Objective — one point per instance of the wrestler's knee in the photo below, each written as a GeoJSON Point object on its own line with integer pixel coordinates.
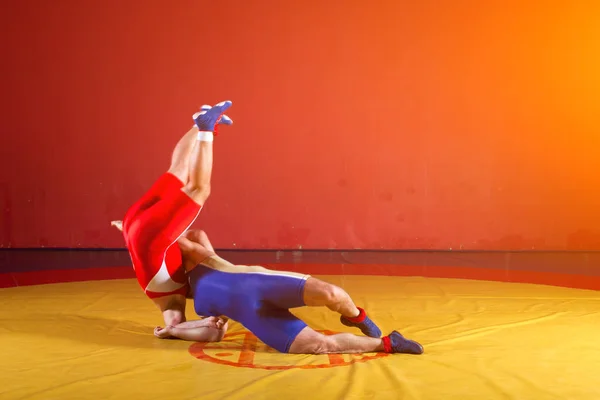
{"type": "Point", "coordinates": [319, 345]}
{"type": "Point", "coordinates": [333, 294]}
{"type": "Point", "coordinates": [320, 293]}
{"type": "Point", "coordinates": [196, 235]}
{"type": "Point", "coordinates": [198, 193]}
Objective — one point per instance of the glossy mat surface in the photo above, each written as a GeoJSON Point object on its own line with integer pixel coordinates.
{"type": "Point", "coordinates": [483, 340]}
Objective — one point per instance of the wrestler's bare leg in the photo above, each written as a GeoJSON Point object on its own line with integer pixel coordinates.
{"type": "Point", "coordinates": [309, 341]}
{"type": "Point", "coordinates": [184, 151]}
{"type": "Point", "coordinates": [319, 293]}
{"type": "Point", "coordinates": [211, 329]}
{"type": "Point", "coordinates": [192, 164]}
{"type": "Point", "coordinates": [180, 159]}
{"type": "Point", "coordinates": [197, 186]}
{"type": "Point", "coordinates": [201, 160]}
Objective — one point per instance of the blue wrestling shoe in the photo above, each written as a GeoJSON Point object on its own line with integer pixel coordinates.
{"type": "Point", "coordinates": [396, 343]}
{"type": "Point", "coordinates": [209, 117]}
{"type": "Point", "coordinates": [363, 322]}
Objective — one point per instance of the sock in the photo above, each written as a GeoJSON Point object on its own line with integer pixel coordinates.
{"type": "Point", "coordinates": [387, 344]}
{"type": "Point", "coordinates": [205, 136]}
{"type": "Point", "coordinates": [359, 318]}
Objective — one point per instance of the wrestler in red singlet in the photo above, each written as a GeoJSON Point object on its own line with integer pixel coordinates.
{"type": "Point", "coordinates": [153, 225]}
{"type": "Point", "coordinates": [151, 228]}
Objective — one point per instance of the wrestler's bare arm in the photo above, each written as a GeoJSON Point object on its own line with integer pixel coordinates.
{"type": "Point", "coordinates": [200, 237]}
{"type": "Point", "coordinates": [210, 329]}
{"type": "Point", "coordinates": [193, 249]}
{"type": "Point", "coordinates": [216, 322]}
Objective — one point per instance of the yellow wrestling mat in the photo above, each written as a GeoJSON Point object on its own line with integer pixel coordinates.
{"type": "Point", "coordinates": [483, 340]}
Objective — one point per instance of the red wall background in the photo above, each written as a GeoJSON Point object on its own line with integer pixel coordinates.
{"type": "Point", "coordinates": [431, 124]}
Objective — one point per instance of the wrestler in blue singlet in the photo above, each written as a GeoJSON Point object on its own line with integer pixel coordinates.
{"type": "Point", "coordinates": [254, 296]}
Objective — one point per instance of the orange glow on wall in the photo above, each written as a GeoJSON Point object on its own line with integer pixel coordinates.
{"type": "Point", "coordinates": [390, 124]}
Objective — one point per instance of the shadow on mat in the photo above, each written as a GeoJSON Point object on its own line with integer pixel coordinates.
{"type": "Point", "coordinates": [95, 330]}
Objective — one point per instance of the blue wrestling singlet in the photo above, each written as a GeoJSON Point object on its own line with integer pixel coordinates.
{"type": "Point", "coordinates": [256, 297]}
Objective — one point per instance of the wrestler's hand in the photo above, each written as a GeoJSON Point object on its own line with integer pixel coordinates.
{"type": "Point", "coordinates": [117, 224]}
{"type": "Point", "coordinates": [209, 117]}
{"type": "Point", "coordinates": [163, 333]}
{"type": "Point", "coordinates": [211, 329]}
